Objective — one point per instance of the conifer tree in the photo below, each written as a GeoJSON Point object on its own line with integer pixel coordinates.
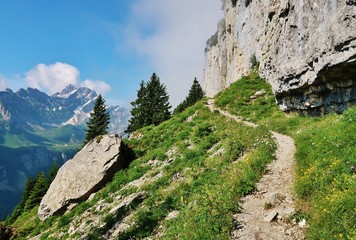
{"type": "Point", "coordinates": [195, 94]}
{"type": "Point", "coordinates": [35, 189]}
{"type": "Point", "coordinates": [157, 101]}
{"type": "Point", "coordinates": [151, 106]}
{"type": "Point", "coordinates": [138, 112]}
{"type": "Point", "coordinates": [53, 172]}
{"type": "Point", "coordinates": [20, 207]}
{"type": "Point", "coordinates": [38, 191]}
{"type": "Point", "coordinates": [98, 122]}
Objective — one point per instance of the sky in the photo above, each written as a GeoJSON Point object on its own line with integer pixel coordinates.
{"type": "Point", "coordinates": [109, 46]}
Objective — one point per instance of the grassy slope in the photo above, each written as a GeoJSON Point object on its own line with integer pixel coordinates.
{"type": "Point", "coordinates": [326, 157]}
{"type": "Point", "coordinates": [207, 193]}
{"type": "Point", "coordinates": [212, 186]}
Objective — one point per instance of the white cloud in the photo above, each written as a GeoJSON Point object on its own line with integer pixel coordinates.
{"type": "Point", "coordinates": [52, 78]}
{"type": "Point", "coordinates": [99, 86]}
{"type": "Point", "coordinates": [55, 77]}
{"type": "Point", "coordinates": [171, 35]}
{"type": "Point", "coordinates": [3, 83]}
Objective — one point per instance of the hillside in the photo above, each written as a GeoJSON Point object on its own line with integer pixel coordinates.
{"type": "Point", "coordinates": [192, 171]}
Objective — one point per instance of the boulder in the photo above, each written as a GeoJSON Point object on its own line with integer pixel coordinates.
{"type": "Point", "coordinates": [86, 173]}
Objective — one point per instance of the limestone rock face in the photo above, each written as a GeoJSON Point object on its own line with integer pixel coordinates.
{"type": "Point", "coordinates": [306, 50]}
{"type": "Point", "coordinates": [86, 173]}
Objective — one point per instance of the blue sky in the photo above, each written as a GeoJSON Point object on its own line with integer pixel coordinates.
{"type": "Point", "coordinates": [107, 45]}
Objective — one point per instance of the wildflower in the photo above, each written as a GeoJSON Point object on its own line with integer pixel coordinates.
{"type": "Point", "coordinates": [347, 162]}
{"type": "Point", "coordinates": [352, 168]}
{"type": "Point", "coordinates": [328, 172]}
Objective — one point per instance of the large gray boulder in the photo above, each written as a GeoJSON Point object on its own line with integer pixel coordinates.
{"type": "Point", "coordinates": [306, 50]}
{"type": "Point", "coordinates": [86, 173]}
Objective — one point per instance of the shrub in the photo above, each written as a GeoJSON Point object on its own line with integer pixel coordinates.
{"type": "Point", "coordinates": [254, 63]}
{"type": "Point", "coordinates": [212, 41]}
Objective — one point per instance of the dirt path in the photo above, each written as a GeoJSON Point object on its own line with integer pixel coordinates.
{"type": "Point", "coordinates": [266, 213]}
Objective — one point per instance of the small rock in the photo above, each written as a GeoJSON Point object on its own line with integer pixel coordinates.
{"type": "Point", "coordinates": [136, 135]}
{"type": "Point", "coordinates": [91, 197]}
{"type": "Point", "coordinates": [190, 118]}
{"type": "Point", "coordinates": [275, 198]}
{"type": "Point", "coordinates": [302, 223]}
{"type": "Point", "coordinates": [172, 215]}
{"type": "Point", "coordinates": [289, 232]}
{"type": "Point", "coordinates": [99, 208]}
{"type": "Point", "coordinates": [259, 94]}
{"type": "Point", "coordinates": [271, 216]}
{"type": "Point", "coordinates": [287, 212]}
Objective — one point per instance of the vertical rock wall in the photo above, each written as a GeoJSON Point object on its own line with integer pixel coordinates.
{"type": "Point", "coordinates": [306, 50]}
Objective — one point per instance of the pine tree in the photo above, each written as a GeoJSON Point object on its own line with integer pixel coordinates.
{"type": "Point", "coordinates": [53, 172]}
{"type": "Point", "coordinates": [20, 207]}
{"type": "Point", "coordinates": [138, 112]}
{"type": "Point", "coordinates": [157, 101]}
{"type": "Point", "coordinates": [35, 189]}
{"type": "Point", "coordinates": [99, 120]}
{"type": "Point", "coordinates": [195, 94]}
{"type": "Point", "coordinates": [151, 106]}
{"type": "Point", "coordinates": [38, 191]}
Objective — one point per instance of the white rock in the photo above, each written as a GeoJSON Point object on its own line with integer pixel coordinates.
{"type": "Point", "coordinates": [275, 198]}
{"type": "Point", "coordinates": [172, 215]}
{"type": "Point", "coordinates": [271, 216]}
{"type": "Point", "coordinates": [86, 173]}
{"type": "Point", "coordinates": [287, 212]}
{"type": "Point", "coordinates": [302, 223]}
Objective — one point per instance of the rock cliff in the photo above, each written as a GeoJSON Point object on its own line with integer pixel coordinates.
{"type": "Point", "coordinates": [86, 173]}
{"type": "Point", "coordinates": [306, 50]}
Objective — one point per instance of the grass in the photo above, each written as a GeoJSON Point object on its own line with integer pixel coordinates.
{"type": "Point", "coordinates": [198, 197]}
{"type": "Point", "coordinates": [204, 187]}
{"type": "Point", "coordinates": [212, 161]}
{"type": "Point", "coordinates": [326, 156]}
{"type": "Point", "coordinates": [16, 141]}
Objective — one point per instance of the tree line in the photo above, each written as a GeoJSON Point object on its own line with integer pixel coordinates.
{"type": "Point", "coordinates": [150, 107]}
{"type": "Point", "coordinates": [35, 189]}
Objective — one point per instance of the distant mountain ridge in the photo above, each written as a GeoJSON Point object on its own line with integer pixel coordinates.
{"type": "Point", "coordinates": [37, 130]}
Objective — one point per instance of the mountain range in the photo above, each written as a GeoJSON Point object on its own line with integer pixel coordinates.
{"type": "Point", "coordinates": [37, 130]}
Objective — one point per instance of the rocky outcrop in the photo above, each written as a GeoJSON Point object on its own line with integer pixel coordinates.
{"type": "Point", "coordinates": [306, 50]}
{"type": "Point", "coordinates": [86, 173]}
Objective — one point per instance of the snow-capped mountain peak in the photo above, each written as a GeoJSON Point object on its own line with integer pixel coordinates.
{"type": "Point", "coordinates": [66, 92]}
{"type": "Point", "coordinates": [70, 106]}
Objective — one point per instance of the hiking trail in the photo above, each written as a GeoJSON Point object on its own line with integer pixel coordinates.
{"type": "Point", "coordinates": [267, 212]}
